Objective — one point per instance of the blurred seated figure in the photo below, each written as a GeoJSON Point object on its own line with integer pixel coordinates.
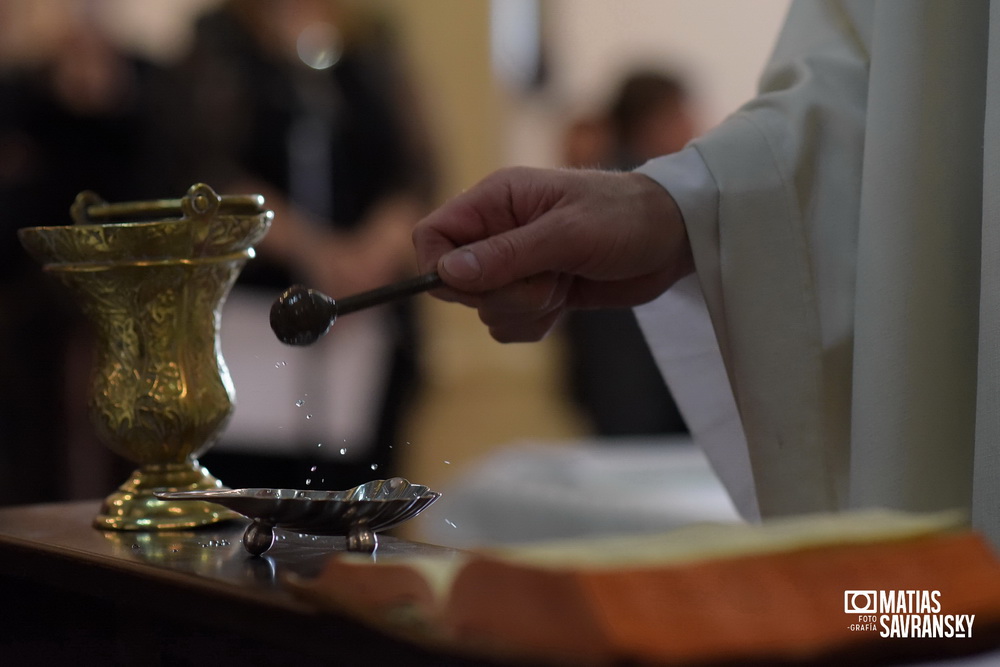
{"type": "Point", "coordinates": [73, 117]}
{"type": "Point", "coordinates": [613, 377]}
{"type": "Point", "coordinates": [304, 102]}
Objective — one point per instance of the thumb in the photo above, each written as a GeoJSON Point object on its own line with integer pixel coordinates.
{"type": "Point", "coordinates": [461, 268]}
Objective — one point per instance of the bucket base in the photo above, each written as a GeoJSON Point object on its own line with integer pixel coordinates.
{"type": "Point", "coordinates": [135, 507]}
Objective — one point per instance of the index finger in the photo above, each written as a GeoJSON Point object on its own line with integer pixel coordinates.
{"type": "Point", "coordinates": [502, 201]}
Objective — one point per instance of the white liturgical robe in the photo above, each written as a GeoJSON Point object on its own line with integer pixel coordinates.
{"type": "Point", "coordinates": [846, 236]}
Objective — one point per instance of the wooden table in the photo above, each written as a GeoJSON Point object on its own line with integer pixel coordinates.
{"type": "Point", "coordinates": [76, 595]}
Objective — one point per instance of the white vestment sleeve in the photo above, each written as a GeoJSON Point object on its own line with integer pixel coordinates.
{"type": "Point", "coordinates": [680, 335]}
{"type": "Point", "coordinates": [841, 266]}
{"type": "Point", "coordinates": [776, 262]}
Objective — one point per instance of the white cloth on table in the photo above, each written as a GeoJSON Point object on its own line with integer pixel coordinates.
{"type": "Point", "coordinates": [539, 491]}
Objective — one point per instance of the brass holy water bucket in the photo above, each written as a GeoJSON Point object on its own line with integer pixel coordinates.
{"type": "Point", "coordinates": [152, 277]}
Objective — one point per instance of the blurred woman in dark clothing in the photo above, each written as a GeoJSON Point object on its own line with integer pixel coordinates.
{"type": "Point", "coordinates": [302, 102]}
{"type": "Point", "coordinates": [74, 115]}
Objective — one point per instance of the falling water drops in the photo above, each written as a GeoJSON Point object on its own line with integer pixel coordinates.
{"type": "Point", "coordinates": [313, 469]}
{"type": "Point", "coordinates": [450, 523]}
{"type": "Point", "coordinates": [309, 416]}
{"type": "Point", "coordinates": [214, 543]}
{"type": "Point", "coordinates": [343, 450]}
{"type": "Point", "coordinates": [374, 466]}
{"type": "Point", "coordinates": [279, 364]}
{"type": "Point", "coordinates": [299, 403]}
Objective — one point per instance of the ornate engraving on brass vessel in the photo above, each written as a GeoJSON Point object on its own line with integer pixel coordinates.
{"type": "Point", "coordinates": [152, 277]}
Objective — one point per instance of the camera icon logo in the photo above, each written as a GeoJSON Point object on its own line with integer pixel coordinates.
{"type": "Point", "coordinates": [860, 602]}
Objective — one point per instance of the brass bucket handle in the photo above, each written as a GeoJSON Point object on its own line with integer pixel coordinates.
{"type": "Point", "coordinates": [200, 203]}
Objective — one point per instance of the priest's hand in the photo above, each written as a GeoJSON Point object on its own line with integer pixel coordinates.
{"type": "Point", "coordinates": [524, 245]}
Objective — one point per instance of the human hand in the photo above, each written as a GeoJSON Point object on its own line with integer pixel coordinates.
{"type": "Point", "coordinates": [524, 245]}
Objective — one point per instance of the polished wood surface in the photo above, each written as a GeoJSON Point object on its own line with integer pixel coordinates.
{"type": "Point", "coordinates": [187, 597]}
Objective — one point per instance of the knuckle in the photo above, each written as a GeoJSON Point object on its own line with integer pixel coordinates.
{"type": "Point", "coordinates": [498, 260]}
{"type": "Point", "coordinates": [540, 293]}
{"type": "Point", "coordinates": [505, 334]}
{"type": "Point", "coordinates": [520, 329]}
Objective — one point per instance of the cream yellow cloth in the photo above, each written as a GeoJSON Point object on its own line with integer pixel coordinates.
{"type": "Point", "coordinates": [777, 593]}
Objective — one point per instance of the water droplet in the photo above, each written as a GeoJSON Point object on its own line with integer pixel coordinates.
{"type": "Point", "coordinates": [450, 523]}
{"type": "Point", "coordinates": [313, 469]}
{"type": "Point", "coordinates": [299, 403]}
{"type": "Point", "coordinates": [447, 463]}
{"type": "Point", "coordinates": [308, 482]}
{"type": "Point", "coordinates": [374, 466]}
{"type": "Point", "coordinates": [319, 444]}
{"type": "Point", "coordinates": [279, 364]}
{"type": "Point", "coordinates": [216, 543]}
{"type": "Point", "coordinates": [343, 450]}
{"type": "Point", "coordinates": [309, 416]}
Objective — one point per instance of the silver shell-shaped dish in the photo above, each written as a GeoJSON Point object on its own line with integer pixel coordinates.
{"type": "Point", "coordinates": [357, 513]}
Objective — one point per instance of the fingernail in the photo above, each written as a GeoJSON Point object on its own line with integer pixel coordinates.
{"type": "Point", "coordinates": [462, 264]}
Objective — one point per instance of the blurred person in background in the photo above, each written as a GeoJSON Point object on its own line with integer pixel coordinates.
{"type": "Point", "coordinates": [306, 102]}
{"type": "Point", "coordinates": [73, 116]}
{"type": "Point", "coordinates": [613, 376]}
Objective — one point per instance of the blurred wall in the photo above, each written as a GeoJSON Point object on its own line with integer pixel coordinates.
{"type": "Point", "coordinates": [718, 46]}
{"type": "Point", "coordinates": [158, 28]}
{"type": "Point", "coordinates": [449, 50]}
